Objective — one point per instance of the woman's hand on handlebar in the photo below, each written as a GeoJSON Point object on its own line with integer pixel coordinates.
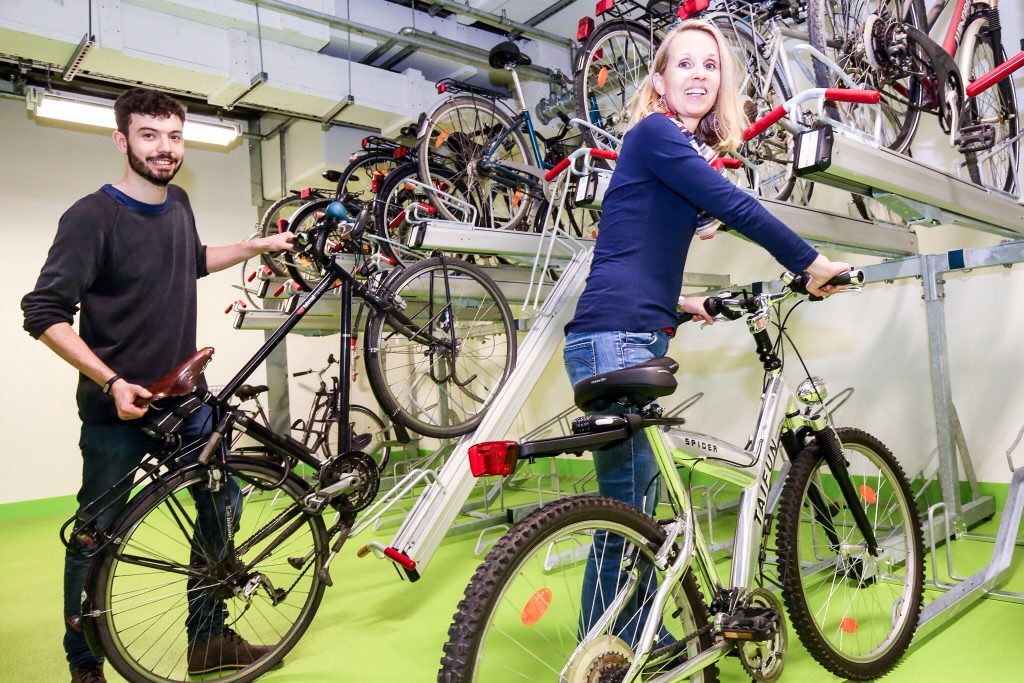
{"type": "Point", "coordinates": [282, 241]}
{"type": "Point", "coordinates": [694, 305]}
{"type": "Point", "coordinates": [821, 271]}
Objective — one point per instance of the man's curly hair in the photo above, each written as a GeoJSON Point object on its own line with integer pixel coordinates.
{"type": "Point", "coordinates": [146, 103]}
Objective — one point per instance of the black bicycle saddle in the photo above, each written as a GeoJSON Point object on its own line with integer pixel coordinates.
{"type": "Point", "coordinates": [639, 385]}
{"type": "Point", "coordinates": [507, 54]}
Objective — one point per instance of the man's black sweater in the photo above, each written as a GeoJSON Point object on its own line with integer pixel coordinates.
{"type": "Point", "coordinates": [132, 267]}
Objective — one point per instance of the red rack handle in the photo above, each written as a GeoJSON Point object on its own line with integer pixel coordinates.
{"type": "Point", "coordinates": [559, 167]}
{"type": "Point", "coordinates": [986, 81]}
{"type": "Point", "coordinates": [604, 154]}
{"type": "Point", "coordinates": [763, 123]}
{"type": "Point", "coordinates": [847, 95]}
{"type": "Point", "coordinates": [731, 162]}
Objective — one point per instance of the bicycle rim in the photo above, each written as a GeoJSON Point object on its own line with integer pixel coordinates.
{"type": "Point", "coordinates": [422, 379]}
{"type": "Point", "coordinates": [997, 106]}
{"type": "Point", "coordinates": [303, 268]}
{"type": "Point", "coordinates": [143, 589]}
{"type": "Point", "coordinates": [612, 67]}
{"type": "Point", "coordinates": [362, 178]}
{"type": "Point", "coordinates": [533, 612]}
{"type": "Point", "coordinates": [278, 215]}
{"type": "Point", "coordinates": [400, 194]}
{"type": "Point", "coordinates": [836, 29]}
{"type": "Point", "coordinates": [854, 613]}
{"type": "Point", "coordinates": [458, 136]}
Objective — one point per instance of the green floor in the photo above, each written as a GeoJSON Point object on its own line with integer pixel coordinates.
{"type": "Point", "coordinates": [374, 627]}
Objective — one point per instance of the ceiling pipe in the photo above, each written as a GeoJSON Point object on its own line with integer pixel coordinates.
{"type": "Point", "coordinates": [422, 40]}
{"type": "Point", "coordinates": [503, 22]}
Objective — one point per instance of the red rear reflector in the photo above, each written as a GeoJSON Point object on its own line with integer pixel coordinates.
{"type": "Point", "coordinates": [848, 625]}
{"type": "Point", "coordinates": [493, 458]}
{"type": "Point", "coordinates": [363, 143]}
{"type": "Point", "coordinates": [399, 153]}
{"type": "Point", "coordinates": [282, 224]}
{"type": "Point", "coordinates": [691, 7]}
{"type": "Point", "coordinates": [584, 28]}
{"type": "Point", "coordinates": [305, 192]}
{"type": "Point", "coordinates": [441, 88]}
{"type": "Point", "coordinates": [536, 607]}
{"type": "Point", "coordinates": [603, 6]}
{"type": "Point", "coordinates": [868, 494]}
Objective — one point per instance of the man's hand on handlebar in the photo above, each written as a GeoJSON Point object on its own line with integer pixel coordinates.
{"type": "Point", "coordinates": [821, 271]}
{"type": "Point", "coordinates": [694, 305]}
{"type": "Point", "coordinates": [282, 241]}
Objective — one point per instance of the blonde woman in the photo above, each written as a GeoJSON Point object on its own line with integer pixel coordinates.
{"type": "Point", "coordinates": [687, 110]}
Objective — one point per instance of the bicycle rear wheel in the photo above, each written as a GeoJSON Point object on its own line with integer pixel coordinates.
{"type": "Point", "coordinates": [438, 376]}
{"type": "Point", "coordinates": [302, 268]}
{"type": "Point", "coordinates": [526, 609]}
{"type": "Point", "coordinates": [172, 566]}
{"type": "Point", "coordinates": [278, 217]}
{"type": "Point", "coordinates": [854, 612]}
{"type": "Point", "coordinates": [362, 177]}
{"type": "Point", "coordinates": [459, 135]}
{"type": "Point", "coordinates": [837, 30]}
{"type": "Point", "coordinates": [995, 168]}
{"type": "Point", "coordinates": [611, 67]}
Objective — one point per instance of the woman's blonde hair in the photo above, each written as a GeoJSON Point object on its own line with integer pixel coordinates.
{"type": "Point", "coordinates": [722, 126]}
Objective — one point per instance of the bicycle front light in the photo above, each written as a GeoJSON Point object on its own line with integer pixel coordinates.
{"type": "Point", "coordinates": [493, 458]}
{"type": "Point", "coordinates": [812, 390]}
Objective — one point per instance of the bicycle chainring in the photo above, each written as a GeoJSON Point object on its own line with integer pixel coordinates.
{"type": "Point", "coordinates": [365, 485]}
{"type": "Point", "coordinates": [764, 661]}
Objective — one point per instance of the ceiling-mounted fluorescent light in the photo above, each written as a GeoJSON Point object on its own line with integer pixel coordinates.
{"type": "Point", "coordinates": [91, 111]}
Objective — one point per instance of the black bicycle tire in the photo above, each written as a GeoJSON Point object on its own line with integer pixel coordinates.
{"type": "Point", "coordinates": [428, 160]}
{"type": "Point", "coordinates": [365, 159]}
{"type": "Point", "coordinates": [268, 227]}
{"type": "Point", "coordinates": [788, 527]}
{"type": "Point", "coordinates": [584, 59]}
{"type": "Point", "coordinates": [294, 271]}
{"type": "Point", "coordinates": [149, 500]}
{"type": "Point", "coordinates": [377, 323]}
{"type": "Point", "coordinates": [1007, 99]}
{"type": "Point", "coordinates": [381, 207]}
{"type": "Point", "coordinates": [465, 633]}
{"type": "Point", "coordinates": [820, 37]}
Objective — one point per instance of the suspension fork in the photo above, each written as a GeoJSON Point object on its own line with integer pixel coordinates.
{"type": "Point", "coordinates": [793, 445]}
{"type": "Point", "coordinates": [832, 452]}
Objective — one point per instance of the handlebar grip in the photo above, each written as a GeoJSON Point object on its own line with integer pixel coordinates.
{"type": "Point", "coordinates": [300, 373]}
{"type": "Point", "coordinates": [713, 306]}
{"type": "Point", "coordinates": [854, 276]}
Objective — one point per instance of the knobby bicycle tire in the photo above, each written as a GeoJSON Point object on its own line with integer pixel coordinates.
{"type": "Point", "coordinates": [458, 135]}
{"type": "Point", "coordinates": [603, 61]}
{"type": "Point", "coordinates": [410, 372]}
{"type": "Point", "coordinates": [873, 595]}
{"type": "Point", "coordinates": [981, 53]}
{"type": "Point", "coordinates": [524, 609]}
{"type": "Point", "coordinates": [141, 622]}
{"type": "Point", "coordinates": [836, 28]}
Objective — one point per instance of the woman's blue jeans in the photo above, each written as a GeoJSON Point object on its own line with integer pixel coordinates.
{"type": "Point", "coordinates": [109, 451]}
{"type": "Point", "coordinates": [626, 472]}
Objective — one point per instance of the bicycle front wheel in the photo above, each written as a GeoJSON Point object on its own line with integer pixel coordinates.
{"type": "Point", "coordinates": [837, 29]}
{"type": "Point", "coordinates": [475, 141]}
{"type": "Point", "coordinates": [854, 612]}
{"type": "Point", "coordinates": [437, 362]}
{"type": "Point", "coordinates": [177, 576]}
{"type": "Point", "coordinates": [611, 67]}
{"type": "Point", "coordinates": [534, 610]}
{"type": "Point", "coordinates": [994, 168]}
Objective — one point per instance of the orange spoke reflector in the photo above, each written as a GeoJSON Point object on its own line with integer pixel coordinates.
{"type": "Point", "coordinates": [602, 77]}
{"type": "Point", "coordinates": [441, 137]}
{"type": "Point", "coordinates": [516, 197]}
{"type": "Point", "coordinates": [536, 607]}
{"type": "Point", "coordinates": [848, 625]}
{"type": "Point", "coordinates": [868, 494]}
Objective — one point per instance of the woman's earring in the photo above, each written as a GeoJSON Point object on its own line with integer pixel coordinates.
{"type": "Point", "coordinates": [661, 102]}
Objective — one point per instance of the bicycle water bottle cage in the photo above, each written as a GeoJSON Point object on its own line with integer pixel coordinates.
{"type": "Point", "coordinates": [638, 385]}
{"type": "Point", "coordinates": [507, 55]}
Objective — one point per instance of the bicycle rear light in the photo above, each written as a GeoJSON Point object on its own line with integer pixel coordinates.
{"type": "Point", "coordinates": [493, 458]}
{"type": "Point", "coordinates": [603, 6]}
{"type": "Point", "coordinates": [584, 28]}
{"type": "Point", "coordinates": [690, 7]}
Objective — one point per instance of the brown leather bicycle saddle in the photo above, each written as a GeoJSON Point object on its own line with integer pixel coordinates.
{"type": "Point", "coordinates": [639, 385]}
{"type": "Point", "coordinates": [182, 379]}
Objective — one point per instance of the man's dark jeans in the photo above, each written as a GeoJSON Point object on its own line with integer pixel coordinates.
{"type": "Point", "coordinates": [109, 451]}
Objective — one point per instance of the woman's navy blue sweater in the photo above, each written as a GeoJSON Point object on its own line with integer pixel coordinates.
{"type": "Point", "coordinates": [648, 219]}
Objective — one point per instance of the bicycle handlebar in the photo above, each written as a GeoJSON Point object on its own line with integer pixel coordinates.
{"type": "Point", "coordinates": [732, 308]}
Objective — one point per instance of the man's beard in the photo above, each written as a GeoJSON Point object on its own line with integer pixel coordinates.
{"type": "Point", "coordinates": [159, 179]}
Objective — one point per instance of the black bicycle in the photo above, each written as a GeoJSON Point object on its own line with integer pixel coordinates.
{"type": "Point", "coordinates": [263, 557]}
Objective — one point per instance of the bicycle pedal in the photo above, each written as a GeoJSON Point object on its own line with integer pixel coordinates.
{"type": "Point", "coordinates": [978, 138]}
{"type": "Point", "coordinates": [750, 623]}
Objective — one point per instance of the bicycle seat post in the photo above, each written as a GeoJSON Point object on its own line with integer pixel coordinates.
{"type": "Point", "coordinates": [519, 88]}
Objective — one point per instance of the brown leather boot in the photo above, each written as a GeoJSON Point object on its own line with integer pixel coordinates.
{"type": "Point", "coordinates": [226, 650]}
{"type": "Point", "coordinates": [93, 675]}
